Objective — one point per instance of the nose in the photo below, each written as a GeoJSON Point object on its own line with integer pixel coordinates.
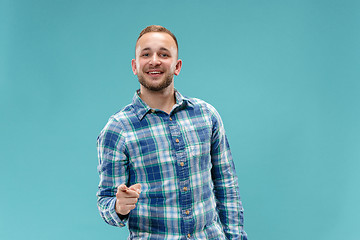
{"type": "Point", "coordinates": [154, 60]}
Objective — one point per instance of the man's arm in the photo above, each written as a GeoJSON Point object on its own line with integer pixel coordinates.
{"type": "Point", "coordinates": [113, 171]}
{"type": "Point", "coordinates": [225, 181]}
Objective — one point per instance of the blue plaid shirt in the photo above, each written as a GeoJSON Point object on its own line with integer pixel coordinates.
{"type": "Point", "coordinates": [183, 162]}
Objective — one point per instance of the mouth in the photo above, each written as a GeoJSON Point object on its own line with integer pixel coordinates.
{"type": "Point", "coordinates": [154, 73]}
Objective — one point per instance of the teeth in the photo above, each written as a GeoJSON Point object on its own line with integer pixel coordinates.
{"type": "Point", "coordinates": [154, 72]}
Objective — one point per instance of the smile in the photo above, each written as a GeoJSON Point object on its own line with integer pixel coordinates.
{"type": "Point", "coordinates": [154, 73]}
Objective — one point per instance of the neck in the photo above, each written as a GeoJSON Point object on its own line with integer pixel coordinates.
{"type": "Point", "coordinates": [163, 100]}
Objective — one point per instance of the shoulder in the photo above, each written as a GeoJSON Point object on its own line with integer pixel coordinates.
{"type": "Point", "coordinates": [123, 114]}
{"type": "Point", "coordinates": [205, 107]}
{"type": "Point", "coordinates": [119, 122]}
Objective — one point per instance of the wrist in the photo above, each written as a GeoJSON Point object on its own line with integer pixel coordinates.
{"type": "Point", "coordinates": [122, 217]}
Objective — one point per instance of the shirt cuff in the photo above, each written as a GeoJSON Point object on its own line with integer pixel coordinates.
{"type": "Point", "coordinates": [115, 217]}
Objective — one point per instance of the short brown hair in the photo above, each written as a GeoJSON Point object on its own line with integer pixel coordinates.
{"type": "Point", "coordinates": [157, 28]}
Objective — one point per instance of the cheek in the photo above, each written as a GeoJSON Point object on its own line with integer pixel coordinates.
{"type": "Point", "coordinates": [173, 66]}
{"type": "Point", "coordinates": [138, 65]}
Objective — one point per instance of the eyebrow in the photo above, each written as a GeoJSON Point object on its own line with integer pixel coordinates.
{"type": "Point", "coordinates": [162, 48]}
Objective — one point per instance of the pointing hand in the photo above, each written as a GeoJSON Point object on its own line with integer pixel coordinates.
{"type": "Point", "coordinates": [126, 198]}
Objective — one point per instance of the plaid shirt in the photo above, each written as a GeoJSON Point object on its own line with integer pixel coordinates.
{"type": "Point", "coordinates": [183, 162]}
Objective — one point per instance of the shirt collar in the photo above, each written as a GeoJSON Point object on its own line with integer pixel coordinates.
{"type": "Point", "coordinates": [141, 108]}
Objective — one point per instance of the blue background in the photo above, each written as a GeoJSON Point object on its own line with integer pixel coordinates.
{"type": "Point", "coordinates": [284, 76]}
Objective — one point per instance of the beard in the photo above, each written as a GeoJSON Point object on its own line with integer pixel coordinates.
{"type": "Point", "coordinates": [168, 79]}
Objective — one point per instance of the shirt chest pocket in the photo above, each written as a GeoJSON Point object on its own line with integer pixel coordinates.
{"type": "Point", "coordinates": [197, 137]}
{"type": "Point", "coordinates": [199, 158]}
{"type": "Point", "coordinates": [197, 134]}
{"type": "Point", "coordinates": [198, 151]}
{"type": "Point", "coordinates": [198, 147]}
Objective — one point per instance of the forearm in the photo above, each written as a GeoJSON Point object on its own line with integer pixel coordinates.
{"type": "Point", "coordinates": [106, 206]}
{"type": "Point", "coordinates": [229, 205]}
{"type": "Point", "coordinates": [226, 188]}
{"type": "Point", "coordinates": [112, 171]}
{"type": "Point", "coordinates": [230, 212]}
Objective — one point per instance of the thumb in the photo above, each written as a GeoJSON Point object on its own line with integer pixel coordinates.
{"type": "Point", "coordinates": [123, 188]}
{"type": "Point", "coordinates": [136, 187]}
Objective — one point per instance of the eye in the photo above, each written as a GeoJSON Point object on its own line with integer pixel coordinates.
{"type": "Point", "coordinates": [164, 55]}
{"type": "Point", "coordinates": [145, 55]}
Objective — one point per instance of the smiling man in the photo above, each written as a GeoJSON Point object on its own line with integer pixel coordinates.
{"type": "Point", "coordinates": [165, 164]}
{"type": "Point", "coordinates": [156, 61]}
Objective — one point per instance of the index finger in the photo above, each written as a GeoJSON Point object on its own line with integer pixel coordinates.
{"type": "Point", "coordinates": [131, 194]}
{"type": "Point", "coordinates": [123, 188]}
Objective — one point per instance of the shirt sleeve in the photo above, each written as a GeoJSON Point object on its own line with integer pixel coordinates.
{"type": "Point", "coordinates": [112, 169]}
{"type": "Point", "coordinates": [225, 180]}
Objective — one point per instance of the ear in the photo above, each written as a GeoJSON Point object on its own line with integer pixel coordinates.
{"type": "Point", "coordinates": [133, 66]}
{"type": "Point", "coordinates": [178, 67]}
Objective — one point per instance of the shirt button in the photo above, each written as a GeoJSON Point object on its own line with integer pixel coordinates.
{"type": "Point", "coordinates": [185, 189]}
{"type": "Point", "coordinates": [187, 212]}
{"type": "Point", "coordinates": [188, 235]}
{"type": "Point", "coordinates": [182, 164]}
{"type": "Point", "coordinates": [177, 140]}
{"type": "Point", "coordinates": [152, 110]}
{"type": "Point", "coordinates": [170, 119]}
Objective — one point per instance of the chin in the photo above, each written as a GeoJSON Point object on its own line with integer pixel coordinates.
{"type": "Point", "coordinates": [160, 85]}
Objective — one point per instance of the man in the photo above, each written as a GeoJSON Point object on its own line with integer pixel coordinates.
{"type": "Point", "coordinates": [164, 161]}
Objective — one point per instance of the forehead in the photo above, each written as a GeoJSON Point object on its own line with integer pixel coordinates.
{"type": "Point", "coordinates": [155, 41]}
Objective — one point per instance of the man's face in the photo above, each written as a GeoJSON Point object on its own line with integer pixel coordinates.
{"type": "Point", "coordinates": [156, 61]}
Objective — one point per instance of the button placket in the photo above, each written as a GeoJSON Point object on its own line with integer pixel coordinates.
{"type": "Point", "coordinates": [182, 172]}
